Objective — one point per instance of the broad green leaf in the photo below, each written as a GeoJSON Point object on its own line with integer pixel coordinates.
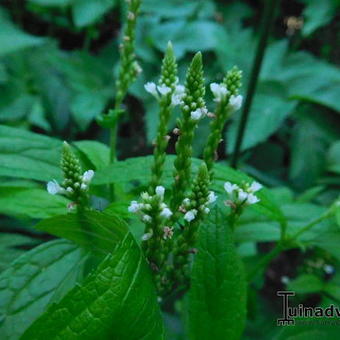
{"type": "Point", "coordinates": [85, 107]}
{"type": "Point", "coordinates": [97, 153]}
{"type": "Point", "coordinates": [31, 202]}
{"type": "Point", "coordinates": [333, 158]}
{"type": "Point", "coordinates": [137, 171]}
{"type": "Point", "coordinates": [88, 12]}
{"type": "Point", "coordinates": [91, 229]}
{"type": "Point", "coordinates": [24, 154]}
{"type": "Point", "coordinates": [28, 285]}
{"type": "Point", "coordinates": [117, 301]}
{"type": "Point", "coordinates": [13, 39]}
{"type": "Point", "coordinates": [217, 297]}
{"type": "Point", "coordinates": [306, 284]}
{"type": "Point", "coordinates": [12, 246]}
{"type": "Point", "coordinates": [52, 3]}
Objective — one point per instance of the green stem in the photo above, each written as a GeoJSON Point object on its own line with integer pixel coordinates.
{"type": "Point", "coordinates": [268, 18]}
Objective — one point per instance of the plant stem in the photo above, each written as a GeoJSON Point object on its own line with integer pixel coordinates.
{"type": "Point", "coordinates": [268, 18]}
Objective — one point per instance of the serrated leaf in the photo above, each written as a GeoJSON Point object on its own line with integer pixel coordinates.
{"type": "Point", "coordinates": [217, 297]}
{"type": "Point", "coordinates": [91, 229]}
{"type": "Point", "coordinates": [117, 301]}
{"type": "Point", "coordinates": [29, 284]}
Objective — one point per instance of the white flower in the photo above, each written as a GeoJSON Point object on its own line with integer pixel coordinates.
{"type": "Point", "coordinates": [146, 218]}
{"type": "Point", "coordinates": [328, 269]}
{"type": "Point", "coordinates": [88, 175]}
{"type": "Point", "coordinates": [285, 279]}
{"type": "Point", "coordinates": [160, 191]}
{"type": "Point", "coordinates": [206, 210]}
{"type": "Point", "coordinates": [69, 189]}
{"type": "Point", "coordinates": [177, 97]}
{"type": "Point", "coordinates": [134, 207]}
{"type": "Point", "coordinates": [166, 212]}
{"type": "Point", "coordinates": [151, 88]}
{"type": "Point", "coordinates": [54, 188]}
{"type": "Point", "coordinates": [163, 89]}
{"type": "Point", "coordinates": [146, 206]}
{"type": "Point", "coordinates": [83, 186]}
{"type": "Point", "coordinates": [255, 186]}
{"type": "Point", "coordinates": [199, 113]}
{"type": "Point", "coordinates": [186, 201]}
{"type": "Point", "coordinates": [163, 205]}
{"type": "Point", "coordinates": [235, 102]}
{"type": "Point", "coordinates": [242, 195]}
{"type": "Point", "coordinates": [146, 236]}
{"type": "Point", "coordinates": [212, 197]}
{"type": "Point", "coordinates": [168, 232]}
{"type": "Point", "coordinates": [219, 91]}
{"type": "Point", "coordinates": [190, 215]}
{"type": "Point", "coordinates": [145, 195]}
{"type": "Point", "coordinates": [229, 187]}
{"type": "Point", "coordinates": [252, 199]}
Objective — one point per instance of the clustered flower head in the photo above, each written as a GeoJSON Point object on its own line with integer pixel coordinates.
{"type": "Point", "coordinates": [221, 92]}
{"type": "Point", "coordinates": [151, 209]}
{"type": "Point", "coordinates": [75, 184]}
{"type": "Point", "coordinates": [245, 195]}
{"type": "Point", "coordinates": [158, 91]}
{"type": "Point", "coordinates": [190, 209]}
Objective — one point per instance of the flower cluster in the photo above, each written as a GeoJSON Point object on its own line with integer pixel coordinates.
{"type": "Point", "coordinates": [162, 90]}
{"type": "Point", "coordinates": [242, 195]}
{"type": "Point", "coordinates": [152, 208]}
{"type": "Point", "coordinates": [54, 188]}
{"type": "Point", "coordinates": [221, 92]}
{"type": "Point", "coordinates": [190, 210]}
{"type": "Point", "coordinates": [76, 183]}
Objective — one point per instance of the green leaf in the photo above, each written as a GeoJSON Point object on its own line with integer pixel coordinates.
{"type": "Point", "coordinates": [88, 12]}
{"type": "Point", "coordinates": [13, 40]}
{"type": "Point", "coordinates": [25, 154]}
{"type": "Point", "coordinates": [12, 246]}
{"type": "Point", "coordinates": [30, 202]}
{"type": "Point", "coordinates": [52, 3]}
{"type": "Point", "coordinates": [333, 158]}
{"type": "Point", "coordinates": [306, 284]}
{"type": "Point", "coordinates": [217, 297]}
{"type": "Point", "coordinates": [27, 287]}
{"type": "Point", "coordinates": [85, 107]}
{"type": "Point", "coordinates": [91, 229]}
{"type": "Point", "coordinates": [117, 301]}
{"type": "Point", "coordinates": [97, 153]}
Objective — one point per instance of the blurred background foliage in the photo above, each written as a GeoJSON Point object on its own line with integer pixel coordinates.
{"type": "Point", "coordinates": [58, 64]}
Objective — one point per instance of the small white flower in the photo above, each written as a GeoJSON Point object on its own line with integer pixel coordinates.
{"type": "Point", "coordinates": [54, 188]}
{"type": "Point", "coordinates": [87, 176]}
{"type": "Point", "coordinates": [146, 206]}
{"type": "Point", "coordinates": [151, 88]}
{"type": "Point", "coordinates": [230, 188]}
{"type": "Point", "coordinates": [255, 186]}
{"type": "Point", "coordinates": [163, 89]}
{"type": "Point", "coordinates": [206, 210]}
{"type": "Point", "coordinates": [242, 195]}
{"type": "Point", "coordinates": [190, 215]}
{"type": "Point", "coordinates": [69, 189]}
{"type": "Point", "coordinates": [219, 91]}
{"type": "Point", "coordinates": [168, 232]}
{"type": "Point", "coordinates": [285, 279]}
{"type": "Point", "coordinates": [328, 269]}
{"type": "Point", "coordinates": [176, 100]}
{"type": "Point", "coordinates": [83, 186]}
{"type": "Point", "coordinates": [146, 236]}
{"type": "Point", "coordinates": [252, 199]}
{"type": "Point", "coordinates": [199, 113]}
{"type": "Point", "coordinates": [186, 201]}
{"type": "Point", "coordinates": [163, 205]}
{"type": "Point", "coordinates": [134, 207]}
{"type": "Point", "coordinates": [145, 195]}
{"type": "Point", "coordinates": [235, 102]}
{"type": "Point", "coordinates": [212, 197]}
{"type": "Point", "coordinates": [146, 218]}
{"type": "Point", "coordinates": [160, 191]}
{"type": "Point", "coordinates": [166, 212]}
